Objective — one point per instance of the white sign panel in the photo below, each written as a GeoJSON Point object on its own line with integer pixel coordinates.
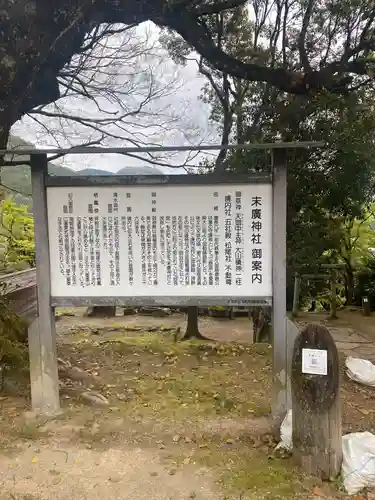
{"type": "Point", "coordinates": [155, 241]}
{"type": "Point", "coordinates": [314, 361]}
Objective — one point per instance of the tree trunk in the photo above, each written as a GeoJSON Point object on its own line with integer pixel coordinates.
{"type": "Point", "coordinates": [192, 328]}
{"type": "Point", "coordinates": [261, 317]}
{"type": "Point", "coordinates": [349, 289]}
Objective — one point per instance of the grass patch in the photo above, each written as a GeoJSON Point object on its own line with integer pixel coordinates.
{"type": "Point", "coordinates": [253, 473]}
{"type": "Point", "coordinates": [181, 379]}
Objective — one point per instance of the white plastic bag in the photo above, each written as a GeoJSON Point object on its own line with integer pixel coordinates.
{"type": "Point", "coordinates": [360, 370]}
{"type": "Point", "coordinates": [286, 433]}
{"type": "Point", "coordinates": [358, 466]}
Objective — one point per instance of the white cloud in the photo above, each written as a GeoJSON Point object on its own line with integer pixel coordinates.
{"type": "Point", "coordinates": [175, 116]}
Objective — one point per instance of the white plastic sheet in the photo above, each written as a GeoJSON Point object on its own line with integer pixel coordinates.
{"type": "Point", "coordinates": [358, 466]}
{"type": "Point", "coordinates": [360, 370]}
{"type": "Point", "coordinates": [286, 433]}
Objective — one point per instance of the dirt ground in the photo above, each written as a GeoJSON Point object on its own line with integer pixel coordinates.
{"type": "Point", "coordinates": [179, 420]}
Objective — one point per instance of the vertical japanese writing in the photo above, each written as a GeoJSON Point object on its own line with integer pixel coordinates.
{"type": "Point", "coordinates": [256, 239]}
{"type": "Point", "coordinates": [106, 239]}
{"type": "Point", "coordinates": [111, 251]}
{"type": "Point", "coordinates": [204, 251]}
{"type": "Point", "coordinates": [162, 239]}
{"type": "Point", "coordinates": [149, 251]}
{"type": "Point", "coordinates": [181, 256]}
{"type": "Point", "coordinates": [154, 251]}
{"type": "Point", "coordinates": [98, 260]}
{"type": "Point", "coordinates": [61, 245]}
{"type": "Point", "coordinates": [70, 203]}
{"type": "Point", "coordinates": [68, 277]}
{"type": "Point", "coordinates": [228, 250]}
{"type": "Point", "coordinates": [73, 254]}
{"type": "Point", "coordinates": [239, 241]}
{"type": "Point", "coordinates": [216, 250]}
{"type": "Point", "coordinates": [155, 277]}
{"type": "Point", "coordinates": [91, 245]}
{"type": "Point", "coordinates": [193, 257]}
{"type": "Point", "coordinates": [198, 243]}
{"type": "Point", "coordinates": [80, 252]}
{"type": "Point", "coordinates": [143, 250]}
{"type": "Point", "coordinates": [96, 203]}
{"type": "Point", "coordinates": [168, 238]}
{"type": "Point", "coordinates": [86, 254]}
{"type": "Point", "coordinates": [105, 233]}
{"type": "Point", "coordinates": [187, 248]}
{"type": "Point", "coordinates": [127, 226]}
{"type": "Point", "coordinates": [116, 236]}
{"type": "Point", "coordinates": [130, 249]}
{"type": "Point", "coordinates": [174, 250]}
{"type": "Point", "coordinates": [210, 251]}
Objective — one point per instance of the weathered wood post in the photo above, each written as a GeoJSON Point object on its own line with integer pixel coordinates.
{"type": "Point", "coordinates": [316, 408]}
{"type": "Point", "coordinates": [296, 294]}
{"type": "Point", "coordinates": [42, 333]}
{"type": "Point", "coordinates": [366, 307]}
{"type": "Point", "coordinates": [279, 333]}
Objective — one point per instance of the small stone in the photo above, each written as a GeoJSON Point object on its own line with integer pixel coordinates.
{"type": "Point", "coordinates": [56, 480]}
{"type": "Point", "coordinates": [187, 439]}
{"type": "Point", "coordinates": [114, 479]}
{"type": "Point", "coordinates": [176, 438]}
{"type": "Point", "coordinates": [172, 472]}
{"type": "Point", "coordinates": [95, 398]}
{"type": "Point", "coordinates": [153, 474]}
{"type": "Point", "coordinates": [193, 495]}
{"type": "Point", "coordinates": [230, 441]}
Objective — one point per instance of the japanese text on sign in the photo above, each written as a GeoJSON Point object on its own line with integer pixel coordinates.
{"type": "Point", "coordinates": [205, 240]}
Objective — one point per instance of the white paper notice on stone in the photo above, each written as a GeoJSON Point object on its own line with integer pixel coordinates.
{"type": "Point", "coordinates": [314, 361]}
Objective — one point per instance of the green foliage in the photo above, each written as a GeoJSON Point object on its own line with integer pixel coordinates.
{"type": "Point", "coordinates": [13, 338]}
{"type": "Point", "coordinates": [18, 180]}
{"type": "Point", "coordinates": [328, 188]}
{"type": "Point", "coordinates": [356, 239]}
{"type": "Point", "coordinates": [17, 248]}
{"type": "Point", "coordinates": [365, 282]}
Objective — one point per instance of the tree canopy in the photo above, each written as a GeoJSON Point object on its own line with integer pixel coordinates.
{"type": "Point", "coordinates": [331, 42]}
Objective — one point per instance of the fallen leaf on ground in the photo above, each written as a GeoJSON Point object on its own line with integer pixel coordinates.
{"type": "Point", "coordinates": [363, 411]}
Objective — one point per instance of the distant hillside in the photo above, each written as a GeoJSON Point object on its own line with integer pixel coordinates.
{"type": "Point", "coordinates": [18, 178]}
{"type": "Point", "coordinates": [91, 171]}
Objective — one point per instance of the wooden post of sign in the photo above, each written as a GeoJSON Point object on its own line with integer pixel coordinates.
{"type": "Point", "coordinates": [366, 306]}
{"type": "Point", "coordinates": [296, 294]}
{"type": "Point", "coordinates": [316, 408]}
{"type": "Point", "coordinates": [279, 333]}
{"type": "Point", "coordinates": [42, 333]}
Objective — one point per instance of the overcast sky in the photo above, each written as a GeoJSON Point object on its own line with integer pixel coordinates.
{"type": "Point", "coordinates": [183, 117]}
